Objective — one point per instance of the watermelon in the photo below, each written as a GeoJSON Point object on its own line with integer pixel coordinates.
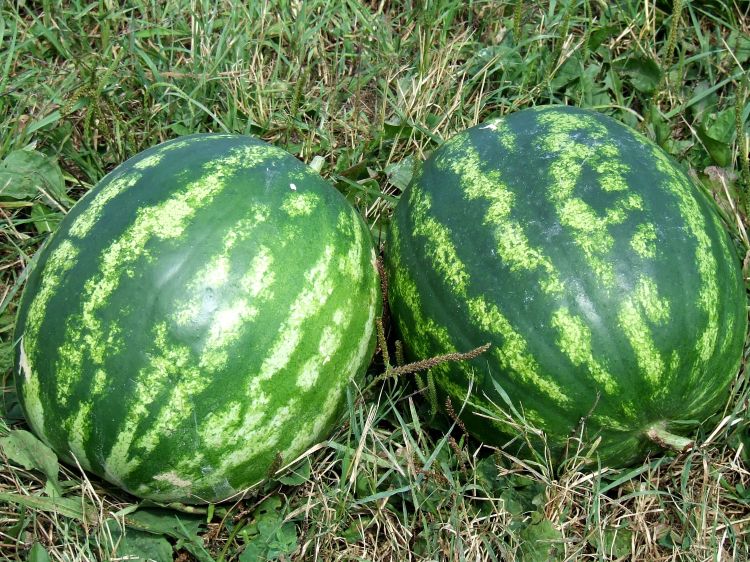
{"type": "Point", "coordinates": [196, 319]}
{"type": "Point", "coordinates": [601, 275]}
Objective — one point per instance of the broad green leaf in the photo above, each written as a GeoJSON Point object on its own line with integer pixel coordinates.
{"type": "Point", "coordinates": [512, 503]}
{"type": "Point", "coordinates": [139, 546]}
{"type": "Point", "coordinates": [38, 554]}
{"type": "Point", "coordinates": [678, 147]}
{"type": "Point", "coordinates": [540, 541]}
{"type": "Point", "coordinates": [180, 129]}
{"type": "Point", "coordinates": [165, 522]}
{"type": "Point", "coordinates": [182, 527]}
{"type": "Point", "coordinates": [27, 174]}
{"type": "Point", "coordinates": [670, 538]}
{"type": "Point", "coordinates": [45, 219]}
{"type": "Point", "coordinates": [354, 532]}
{"type": "Point", "coordinates": [721, 126]}
{"type": "Point", "coordinates": [614, 543]}
{"type": "Point", "coordinates": [567, 73]}
{"type": "Point", "coordinates": [644, 73]}
{"type": "Point", "coordinates": [740, 45]}
{"type": "Point", "coordinates": [268, 536]}
{"type": "Point", "coordinates": [594, 93]}
{"type": "Point", "coordinates": [397, 129]}
{"type": "Point", "coordinates": [707, 100]}
{"type": "Point", "coordinates": [400, 173]}
{"type": "Point", "coordinates": [720, 152]}
{"type": "Point", "coordinates": [488, 476]}
{"type": "Point", "coordinates": [600, 35]}
{"type": "Point", "coordinates": [74, 508]}
{"type": "Point", "coordinates": [274, 540]}
{"type": "Point", "coordinates": [660, 125]}
{"type": "Point", "coordinates": [299, 475]}
{"type": "Point", "coordinates": [24, 449]}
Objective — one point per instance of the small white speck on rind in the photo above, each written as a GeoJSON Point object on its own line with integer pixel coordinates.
{"type": "Point", "coordinates": [292, 187]}
{"type": "Point", "coordinates": [491, 125]}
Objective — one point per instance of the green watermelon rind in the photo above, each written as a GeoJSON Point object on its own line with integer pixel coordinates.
{"type": "Point", "coordinates": [197, 318]}
{"type": "Point", "coordinates": [600, 273]}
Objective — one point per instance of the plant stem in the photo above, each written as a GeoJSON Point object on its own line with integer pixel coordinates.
{"type": "Point", "coordinates": [659, 435]}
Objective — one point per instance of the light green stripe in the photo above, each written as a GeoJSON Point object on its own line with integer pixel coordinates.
{"type": "Point", "coordinates": [731, 261]}
{"type": "Point", "coordinates": [167, 220]}
{"type": "Point", "coordinates": [503, 132]}
{"type": "Point", "coordinates": [228, 322]}
{"type": "Point", "coordinates": [641, 307]}
{"type": "Point", "coordinates": [238, 428]}
{"type": "Point", "coordinates": [226, 328]}
{"type": "Point", "coordinates": [423, 329]}
{"type": "Point", "coordinates": [359, 355]}
{"type": "Point", "coordinates": [31, 394]}
{"type": "Point", "coordinates": [513, 351]}
{"type": "Point", "coordinates": [644, 240]}
{"type": "Point", "coordinates": [333, 334]}
{"type": "Point", "coordinates": [439, 247]}
{"type": "Point", "coordinates": [216, 275]}
{"type": "Point", "coordinates": [114, 187]}
{"type": "Point", "coordinates": [255, 287]}
{"type": "Point", "coordinates": [611, 169]}
{"type": "Point", "coordinates": [255, 437]}
{"type": "Point", "coordinates": [218, 425]}
{"type": "Point", "coordinates": [331, 337]}
{"type": "Point", "coordinates": [513, 245]}
{"type": "Point", "coordinates": [308, 304]}
{"type": "Point", "coordinates": [170, 362]}
{"type": "Point", "coordinates": [589, 230]}
{"type": "Point", "coordinates": [610, 422]}
{"type": "Point", "coordinates": [655, 308]}
{"type": "Point", "coordinates": [86, 220]}
{"type": "Point", "coordinates": [256, 434]}
{"type": "Point", "coordinates": [60, 261]}
{"type": "Point", "coordinates": [168, 485]}
{"type": "Point", "coordinates": [300, 204]}
{"type": "Point", "coordinates": [259, 278]}
{"type": "Point", "coordinates": [637, 331]}
{"type": "Point", "coordinates": [255, 430]}
{"type": "Point", "coordinates": [160, 151]}
{"type": "Point", "coordinates": [351, 263]}
{"type": "Point", "coordinates": [78, 431]}
{"type": "Point", "coordinates": [149, 161]}
{"type": "Point", "coordinates": [708, 296]}
{"type": "Point", "coordinates": [173, 361]}
{"type": "Point", "coordinates": [311, 431]}
{"type": "Point", "coordinates": [574, 340]}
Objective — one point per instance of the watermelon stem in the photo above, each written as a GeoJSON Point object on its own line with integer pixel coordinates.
{"type": "Point", "coordinates": [659, 435]}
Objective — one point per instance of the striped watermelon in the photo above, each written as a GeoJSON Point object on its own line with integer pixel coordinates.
{"type": "Point", "coordinates": [199, 313]}
{"type": "Point", "coordinates": [601, 275]}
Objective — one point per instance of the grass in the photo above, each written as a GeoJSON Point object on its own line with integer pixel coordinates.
{"type": "Point", "coordinates": [363, 90]}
